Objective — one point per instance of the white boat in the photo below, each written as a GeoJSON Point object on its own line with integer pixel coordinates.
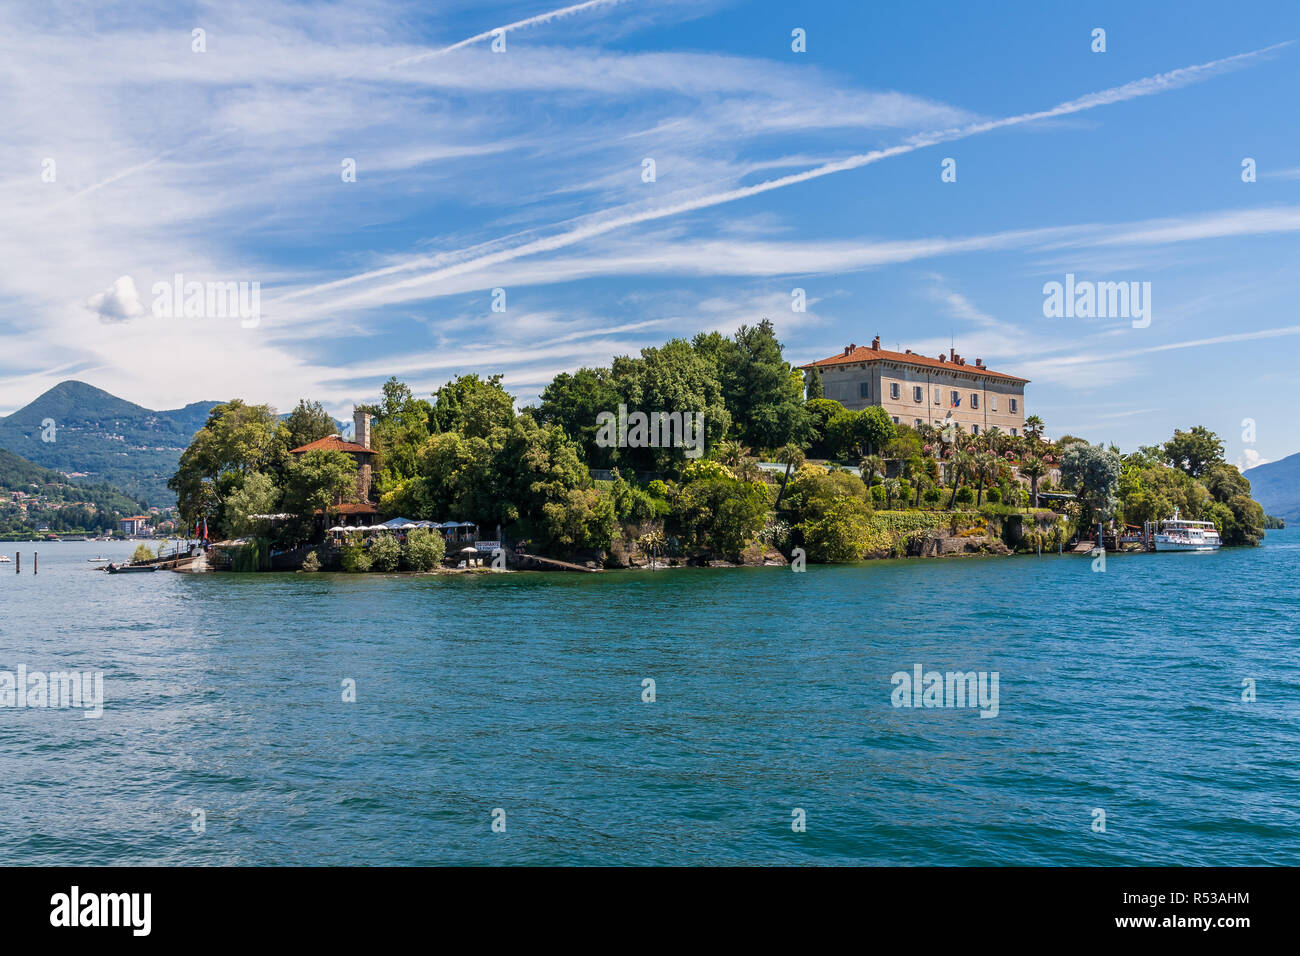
{"type": "Point", "coordinates": [5, 559]}
{"type": "Point", "coordinates": [1178, 534]}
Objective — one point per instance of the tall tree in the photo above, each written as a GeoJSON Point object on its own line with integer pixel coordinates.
{"type": "Point", "coordinates": [1194, 451]}
{"type": "Point", "coordinates": [573, 401]}
{"type": "Point", "coordinates": [761, 390]}
{"type": "Point", "coordinates": [1094, 472]}
{"type": "Point", "coordinates": [236, 440]}
{"type": "Point", "coordinates": [472, 406]}
{"type": "Point", "coordinates": [309, 422]}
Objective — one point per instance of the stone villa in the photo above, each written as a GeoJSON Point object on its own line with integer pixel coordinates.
{"type": "Point", "coordinates": [915, 389]}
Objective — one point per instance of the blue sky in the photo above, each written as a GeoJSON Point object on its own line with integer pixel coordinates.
{"type": "Point", "coordinates": [522, 170]}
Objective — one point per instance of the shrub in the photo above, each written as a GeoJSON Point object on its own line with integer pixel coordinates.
{"type": "Point", "coordinates": [932, 496]}
{"type": "Point", "coordinates": [311, 562]}
{"type": "Point", "coordinates": [424, 550]}
{"type": "Point", "coordinates": [142, 553]}
{"type": "Point", "coordinates": [253, 556]}
{"type": "Point", "coordinates": [964, 495]}
{"type": "Point", "coordinates": [878, 494]}
{"type": "Point", "coordinates": [841, 533]}
{"type": "Point", "coordinates": [993, 496]}
{"type": "Point", "coordinates": [385, 553]}
{"type": "Point", "coordinates": [354, 557]}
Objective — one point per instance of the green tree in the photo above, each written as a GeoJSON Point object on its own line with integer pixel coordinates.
{"type": "Point", "coordinates": [236, 439]}
{"type": "Point", "coordinates": [853, 435]}
{"type": "Point", "coordinates": [472, 406]}
{"type": "Point", "coordinates": [1033, 468]}
{"type": "Point", "coordinates": [672, 378]}
{"type": "Point", "coordinates": [308, 422]}
{"type": "Point", "coordinates": [1194, 451]}
{"type": "Point", "coordinates": [424, 549]}
{"type": "Point", "coordinates": [573, 401]}
{"type": "Point", "coordinates": [760, 389]}
{"type": "Point", "coordinates": [316, 480]}
{"type": "Point", "coordinates": [813, 384]}
{"type": "Point", "coordinates": [820, 412]}
{"type": "Point", "coordinates": [840, 533]}
{"type": "Point", "coordinates": [1093, 473]}
{"type": "Point", "coordinates": [385, 553]}
{"type": "Point", "coordinates": [257, 496]}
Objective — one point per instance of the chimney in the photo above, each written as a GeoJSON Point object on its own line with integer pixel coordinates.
{"type": "Point", "coordinates": [952, 355]}
{"type": "Point", "coordinates": [875, 343]}
{"type": "Point", "coordinates": [979, 363]}
{"type": "Point", "coordinates": [942, 357]}
{"type": "Point", "coordinates": [361, 428]}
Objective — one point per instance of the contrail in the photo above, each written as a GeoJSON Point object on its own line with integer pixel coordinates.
{"type": "Point", "coordinates": [1147, 86]}
{"type": "Point", "coordinates": [110, 180]}
{"type": "Point", "coordinates": [518, 24]}
{"type": "Point", "coordinates": [477, 38]}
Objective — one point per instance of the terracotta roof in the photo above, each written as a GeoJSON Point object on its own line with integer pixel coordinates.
{"type": "Point", "coordinates": [333, 443]}
{"type": "Point", "coordinates": [351, 509]}
{"type": "Point", "coordinates": [863, 353]}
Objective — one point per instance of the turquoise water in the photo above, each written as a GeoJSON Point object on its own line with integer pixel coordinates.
{"type": "Point", "coordinates": [1118, 691]}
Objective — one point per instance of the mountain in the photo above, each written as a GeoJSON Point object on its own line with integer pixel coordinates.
{"type": "Point", "coordinates": [1276, 486]}
{"type": "Point", "coordinates": [33, 497]}
{"type": "Point", "coordinates": [98, 437]}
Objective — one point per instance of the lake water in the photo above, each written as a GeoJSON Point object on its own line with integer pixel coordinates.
{"type": "Point", "coordinates": [1118, 691]}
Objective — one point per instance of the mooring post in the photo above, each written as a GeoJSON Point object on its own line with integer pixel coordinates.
{"type": "Point", "coordinates": [36, 562]}
{"type": "Point", "coordinates": [18, 562]}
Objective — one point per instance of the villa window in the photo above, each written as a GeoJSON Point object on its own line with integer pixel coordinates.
{"type": "Point", "coordinates": [956, 398]}
{"type": "Point", "coordinates": [994, 400]}
{"type": "Point", "coordinates": [894, 391]}
{"type": "Point", "coordinates": [1015, 406]}
{"type": "Point", "coordinates": [974, 429]}
{"type": "Point", "coordinates": [864, 390]}
{"type": "Point", "coordinates": [936, 395]}
{"type": "Point", "coordinates": [918, 393]}
{"type": "Point", "coordinates": [916, 423]}
{"type": "Point", "coordinates": [1014, 433]}
{"type": "Point", "coordinates": [974, 399]}
{"type": "Point", "coordinates": [895, 419]}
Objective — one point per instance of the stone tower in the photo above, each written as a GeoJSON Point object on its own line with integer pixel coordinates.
{"type": "Point", "coordinates": [361, 436]}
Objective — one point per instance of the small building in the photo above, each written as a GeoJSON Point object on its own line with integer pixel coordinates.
{"type": "Point", "coordinates": [360, 451]}
{"type": "Point", "coordinates": [135, 526]}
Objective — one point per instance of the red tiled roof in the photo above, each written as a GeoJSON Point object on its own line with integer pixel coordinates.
{"type": "Point", "coordinates": [863, 353]}
{"type": "Point", "coordinates": [352, 509]}
{"type": "Point", "coordinates": [333, 443]}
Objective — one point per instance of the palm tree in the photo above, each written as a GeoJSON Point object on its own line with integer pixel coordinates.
{"type": "Point", "coordinates": [985, 462]}
{"type": "Point", "coordinates": [892, 487]}
{"type": "Point", "coordinates": [1033, 468]}
{"type": "Point", "coordinates": [871, 466]}
{"type": "Point", "coordinates": [792, 457]}
{"type": "Point", "coordinates": [961, 461]}
{"type": "Point", "coordinates": [1034, 428]}
{"type": "Point", "coordinates": [922, 482]}
{"type": "Point", "coordinates": [652, 543]}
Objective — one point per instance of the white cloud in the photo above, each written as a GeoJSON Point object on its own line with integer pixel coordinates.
{"type": "Point", "coordinates": [1250, 458]}
{"type": "Point", "coordinates": [120, 302]}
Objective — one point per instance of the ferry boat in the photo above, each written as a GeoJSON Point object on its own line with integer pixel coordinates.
{"type": "Point", "coordinates": [1178, 534]}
